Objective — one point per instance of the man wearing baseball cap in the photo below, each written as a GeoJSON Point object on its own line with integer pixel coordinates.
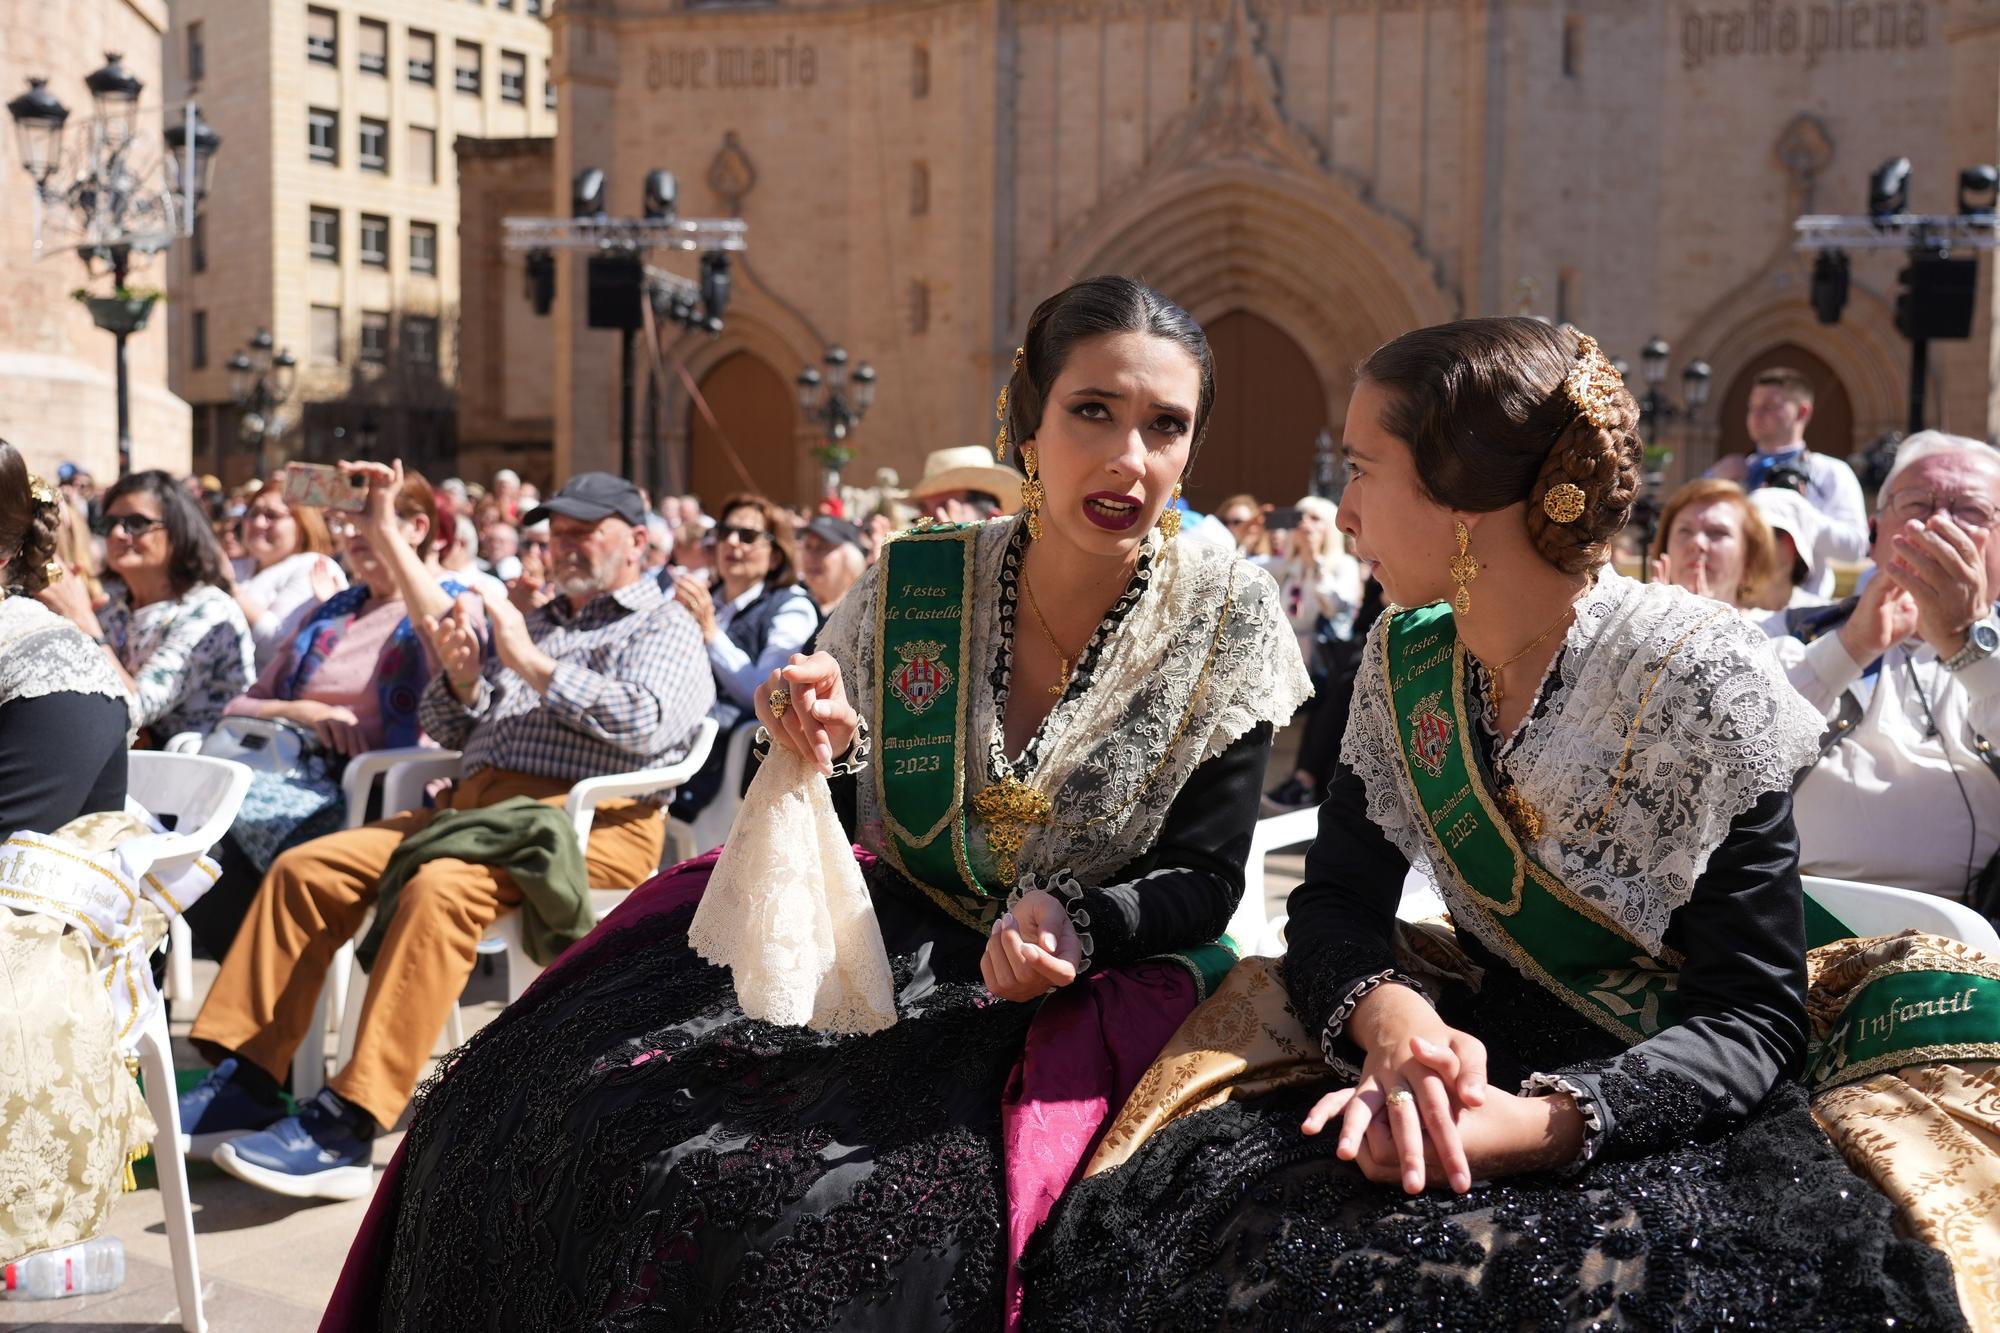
{"type": "Point", "coordinates": [608, 676]}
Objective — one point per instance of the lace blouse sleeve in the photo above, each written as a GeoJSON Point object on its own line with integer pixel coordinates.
{"type": "Point", "coordinates": [1742, 995]}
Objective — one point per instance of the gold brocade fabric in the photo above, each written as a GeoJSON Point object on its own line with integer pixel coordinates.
{"type": "Point", "coordinates": [1928, 1136]}
{"type": "Point", "coordinates": [70, 1112]}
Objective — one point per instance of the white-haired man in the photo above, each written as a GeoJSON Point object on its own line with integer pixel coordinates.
{"type": "Point", "coordinates": [1907, 673]}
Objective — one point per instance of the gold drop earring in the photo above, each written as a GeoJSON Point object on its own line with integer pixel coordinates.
{"type": "Point", "coordinates": [1032, 494]}
{"type": "Point", "coordinates": [1170, 517]}
{"type": "Point", "coordinates": [1464, 569]}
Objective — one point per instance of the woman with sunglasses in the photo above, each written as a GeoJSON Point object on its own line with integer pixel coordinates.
{"type": "Point", "coordinates": [172, 627]}
{"type": "Point", "coordinates": [754, 615]}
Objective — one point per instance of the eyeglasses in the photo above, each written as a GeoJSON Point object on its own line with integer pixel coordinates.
{"type": "Point", "coordinates": [1240, 521]}
{"type": "Point", "coordinates": [134, 526]}
{"type": "Point", "coordinates": [1919, 506]}
{"type": "Point", "coordinates": [729, 532]}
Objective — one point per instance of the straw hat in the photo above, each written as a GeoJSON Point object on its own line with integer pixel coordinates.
{"type": "Point", "coordinates": [969, 468]}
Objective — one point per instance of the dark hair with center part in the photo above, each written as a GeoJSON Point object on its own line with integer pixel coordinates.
{"type": "Point", "coordinates": [1481, 403]}
{"type": "Point", "coordinates": [1094, 308]}
{"type": "Point", "coordinates": [193, 554]}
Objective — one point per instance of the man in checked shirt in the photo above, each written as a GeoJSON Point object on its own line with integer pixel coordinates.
{"type": "Point", "coordinates": [609, 676]}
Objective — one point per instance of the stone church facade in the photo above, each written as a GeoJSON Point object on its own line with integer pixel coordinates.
{"type": "Point", "coordinates": [1308, 177]}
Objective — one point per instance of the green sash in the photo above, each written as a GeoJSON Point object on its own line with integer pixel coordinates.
{"type": "Point", "coordinates": [1905, 1017]}
{"type": "Point", "coordinates": [923, 636]}
{"type": "Point", "coordinates": [1547, 932]}
{"type": "Point", "coordinates": [1897, 1018]}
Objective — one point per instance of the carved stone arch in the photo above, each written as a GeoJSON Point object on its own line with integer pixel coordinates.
{"type": "Point", "coordinates": [774, 336]}
{"type": "Point", "coordinates": [1301, 253]}
{"type": "Point", "coordinates": [1863, 351]}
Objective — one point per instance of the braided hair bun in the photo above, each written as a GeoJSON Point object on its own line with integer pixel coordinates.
{"type": "Point", "coordinates": [1499, 412]}
{"type": "Point", "coordinates": [28, 525]}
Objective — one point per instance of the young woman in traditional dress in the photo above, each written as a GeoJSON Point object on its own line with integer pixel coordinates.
{"type": "Point", "coordinates": [1047, 734]}
{"type": "Point", "coordinates": [1578, 1105]}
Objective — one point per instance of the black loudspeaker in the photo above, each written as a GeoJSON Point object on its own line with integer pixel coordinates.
{"type": "Point", "coordinates": [617, 285]}
{"type": "Point", "coordinates": [1937, 298]}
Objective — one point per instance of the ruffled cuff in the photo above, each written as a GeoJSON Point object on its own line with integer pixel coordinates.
{"type": "Point", "coordinates": [860, 750]}
{"type": "Point", "coordinates": [1587, 1102]}
{"type": "Point", "coordinates": [1339, 1050]}
{"type": "Point", "coordinates": [1062, 886]}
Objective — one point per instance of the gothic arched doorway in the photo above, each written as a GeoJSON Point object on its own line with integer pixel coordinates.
{"type": "Point", "coordinates": [1830, 430]}
{"type": "Point", "coordinates": [753, 405]}
{"type": "Point", "coordinates": [1269, 408]}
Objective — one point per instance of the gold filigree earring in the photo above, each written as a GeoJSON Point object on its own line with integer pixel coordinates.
{"type": "Point", "coordinates": [1464, 569]}
{"type": "Point", "coordinates": [1032, 494]}
{"type": "Point", "coordinates": [1170, 517]}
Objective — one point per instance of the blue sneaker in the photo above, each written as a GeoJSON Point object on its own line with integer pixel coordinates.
{"type": "Point", "coordinates": [219, 1109]}
{"type": "Point", "coordinates": [312, 1155]}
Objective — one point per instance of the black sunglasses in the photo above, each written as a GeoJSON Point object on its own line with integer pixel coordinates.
{"type": "Point", "coordinates": [135, 525]}
{"type": "Point", "coordinates": [748, 536]}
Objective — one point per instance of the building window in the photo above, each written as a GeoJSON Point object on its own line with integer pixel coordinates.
{"type": "Point", "coordinates": [374, 241]}
{"type": "Point", "coordinates": [197, 54]}
{"type": "Point", "coordinates": [548, 87]}
{"type": "Point", "coordinates": [920, 189]}
{"type": "Point", "coordinates": [423, 247]}
{"type": "Point", "coordinates": [424, 154]}
{"type": "Point", "coordinates": [324, 239]}
{"type": "Point", "coordinates": [374, 144]}
{"type": "Point", "coordinates": [466, 75]}
{"type": "Point", "coordinates": [323, 135]}
{"type": "Point", "coordinates": [1572, 46]}
{"type": "Point", "coordinates": [534, 8]}
{"type": "Point", "coordinates": [420, 339]}
{"type": "Point", "coordinates": [374, 47]}
{"type": "Point", "coordinates": [513, 77]}
{"type": "Point", "coordinates": [374, 336]}
{"type": "Point", "coordinates": [423, 58]}
{"type": "Point", "coordinates": [322, 42]}
{"type": "Point", "coordinates": [920, 71]}
{"type": "Point", "coordinates": [503, 4]}
{"type": "Point", "coordinates": [198, 340]}
{"type": "Point", "coordinates": [326, 335]}
{"type": "Point", "coordinates": [920, 306]}
{"type": "Point", "coordinates": [198, 247]}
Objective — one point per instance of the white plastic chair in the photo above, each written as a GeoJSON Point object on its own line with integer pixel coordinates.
{"type": "Point", "coordinates": [1879, 909]}
{"type": "Point", "coordinates": [402, 789]}
{"type": "Point", "coordinates": [1252, 926]}
{"type": "Point", "coordinates": [203, 795]}
{"type": "Point", "coordinates": [707, 830]}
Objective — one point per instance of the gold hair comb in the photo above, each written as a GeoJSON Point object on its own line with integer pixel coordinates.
{"type": "Point", "coordinates": [1593, 385]}
{"type": "Point", "coordinates": [41, 492]}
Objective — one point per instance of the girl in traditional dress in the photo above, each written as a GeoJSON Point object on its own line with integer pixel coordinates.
{"type": "Point", "coordinates": [1578, 1106]}
{"type": "Point", "coordinates": [1047, 736]}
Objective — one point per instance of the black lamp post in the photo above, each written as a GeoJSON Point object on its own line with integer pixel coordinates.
{"type": "Point", "coordinates": [109, 199]}
{"type": "Point", "coordinates": [261, 382]}
{"type": "Point", "coordinates": [1654, 409]}
{"type": "Point", "coordinates": [837, 401]}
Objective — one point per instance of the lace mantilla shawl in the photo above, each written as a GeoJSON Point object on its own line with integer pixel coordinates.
{"type": "Point", "coordinates": [1100, 743]}
{"type": "Point", "coordinates": [41, 653]}
{"type": "Point", "coordinates": [1721, 728]}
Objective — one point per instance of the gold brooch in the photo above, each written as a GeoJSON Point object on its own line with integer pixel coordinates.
{"type": "Point", "coordinates": [54, 572]}
{"type": "Point", "coordinates": [1563, 503]}
{"type": "Point", "coordinates": [1593, 385]}
{"type": "Point", "coordinates": [1521, 813]}
{"type": "Point", "coordinates": [1009, 809]}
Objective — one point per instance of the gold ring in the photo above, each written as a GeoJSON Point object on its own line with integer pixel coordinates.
{"type": "Point", "coordinates": [780, 699]}
{"type": "Point", "coordinates": [1397, 1097]}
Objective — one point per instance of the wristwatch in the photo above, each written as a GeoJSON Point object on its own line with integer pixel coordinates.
{"type": "Point", "coordinates": [1982, 640]}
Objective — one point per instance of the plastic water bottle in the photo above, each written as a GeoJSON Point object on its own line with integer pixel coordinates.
{"type": "Point", "coordinates": [78, 1270]}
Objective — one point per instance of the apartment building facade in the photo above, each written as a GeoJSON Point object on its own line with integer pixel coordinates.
{"type": "Point", "coordinates": [336, 224]}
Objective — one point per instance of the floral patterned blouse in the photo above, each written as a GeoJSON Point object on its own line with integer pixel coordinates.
{"type": "Point", "coordinates": [189, 657]}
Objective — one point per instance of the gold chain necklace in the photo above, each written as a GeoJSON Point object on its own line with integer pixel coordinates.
{"type": "Point", "coordinates": [1063, 660]}
{"type": "Point", "coordinates": [1494, 692]}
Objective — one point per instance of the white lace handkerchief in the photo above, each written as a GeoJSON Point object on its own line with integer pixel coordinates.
{"type": "Point", "coordinates": [787, 913]}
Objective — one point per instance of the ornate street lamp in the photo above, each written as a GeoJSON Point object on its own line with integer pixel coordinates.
{"type": "Point", "coordinates": [1655, 408]}
{"type": "Point", "coordinates": [261, 382]}
{"type": "Point", "coordinates": [109, 192]}
{"type": "Point", "coordinates": [837, 400]}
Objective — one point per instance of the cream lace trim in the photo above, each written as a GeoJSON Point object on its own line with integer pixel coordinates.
{"type": "Point", "coordinates": [1722, 728]}
{"type": "Point", "coordinates": [1099, 746]}
{"type": "Point", "coordinates": [41, 654]}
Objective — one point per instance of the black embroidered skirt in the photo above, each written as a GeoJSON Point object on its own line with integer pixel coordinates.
{"type": "Point", "coordinates": [625, 1150]}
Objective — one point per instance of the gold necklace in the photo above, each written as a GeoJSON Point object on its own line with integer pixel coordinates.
{"type": "Point", "coordinates": [1494, 692]}
{"type": "Point", "coordinates": [1063, 660]}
